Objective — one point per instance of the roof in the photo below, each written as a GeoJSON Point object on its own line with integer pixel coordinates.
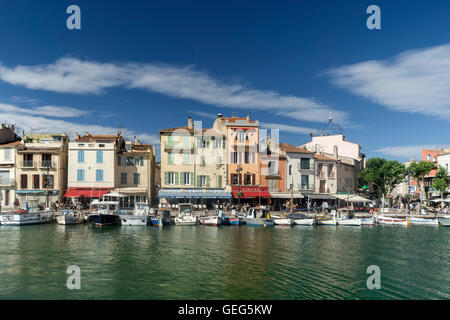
{"type": "Point", "coordinates": [293, 149]}
{"type": "Point", "coordinates": [321, 157]}
{"type": "Point", "coordinates": [10, 144]}
{"type": "Point", "coordinates": [94, 137]}
{"type": "Point", "coordinates": [141, 147]}
{"type": "Point", "coordinates": [186, 128]}
{"type": "Point", "coordinates": [233, 119]}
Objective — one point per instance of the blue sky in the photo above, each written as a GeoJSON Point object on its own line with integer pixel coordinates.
{"type": "Point", "coordinates": [147, 65]}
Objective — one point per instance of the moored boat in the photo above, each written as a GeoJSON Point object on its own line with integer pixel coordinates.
{"type": "Point", "coordinates": [211, 221]}
{"type": "Point", "coordinates": [139, 216]}
{"type": "Point", "coordinates": [346, 217]}
{"type": "Point", "coordinates": [259, 217]}
{"type": "Point", "coordinates": [424, 222]}
{"type": "Point", "coordinates": [28, 214]}
{"type": "Point", "coordinates": [391, 221]}
{"type": "Point", "coordinates": [104, 213]}
{"type": "Point", "coordinates": [444, 220]}
{"type": "Point", "coordinates": [69, 217]}
{"type": "Point", "coordinates": [367, 221]}
{"type": "Point", "coordinates": [233, 221]}
{"type": "Point", "coordinates": [327, 221]}
{"type": "Point", "coordinates": [304, 222]}
{"type": "Point", "coordinates": [283, 221]}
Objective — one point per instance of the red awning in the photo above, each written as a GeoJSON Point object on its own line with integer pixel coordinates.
{"type": "Point", "coordinates": [252, 194]}
{"type": "Point", "coordinates": [87, 193]}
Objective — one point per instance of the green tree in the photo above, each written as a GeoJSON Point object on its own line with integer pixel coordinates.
{"type": "Point", "coordinates": [383, 175]}
{"type": "Point", "coordinates": [418, 171]}
{"type": "Point", "coordinates": [441, 180]}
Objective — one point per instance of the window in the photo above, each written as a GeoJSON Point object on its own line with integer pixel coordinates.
{"type": "Point", "coordinates": [246, 157]}
{"type": "Point", "coordinates": [101, 145]}
{"type": "Point", "coordinates": [47, 181]}
{"type": "Point", "coordinates": [136, 178]}
{"type": "Point", "coordinates": [272, 185]}
{"type": "Point", "coordinates": [234, 178]}
{"type": "Point", "coordinates": [99, 175]}
{"type": "Point", "coordinates": [81, 144]}
{"type": "Point", "coordinates": [7, 153]}
{"type": "Point", "coordinates": [80, 156]}
{"type": "Point", "coordinates": [330, 171]}
{"type": "Point", "coordinates": [24, 181]}
{"type": "Point", "coordinates": [170, 142]}
{"type": "Point", "coordinates": [36, 181]}
{"type": "Point", "coordinates": [304, 163]}
{"type": "Point", "coordinates": [304, 182]}
{"type": "Point", "coordinates": [28, 160]}
{"type": "Point", "coordinates": [218, 143]}
{"type": "Point", "coordinates": [139, 161]}
{"type": "Point", "coordinates": [123, 178]}
{"type": "Point", "coordinates": [218, 160]}
{"type": "Point", "coordinates": [348, 182]}
{"type": "Point", "coordinates": [186, 178]}
{"type": "Point", "coordinates": [170, 177]}
{"type": "Point", "coordinates": [203, 181]}
{"type": "Point", "coordinates": [170, 158]}
{"type": "Point", "coordinates": [234, 157]}
{"type": "Point", "coordinates": [130, 161]}
{"type": "Point", "coordinates": [272, 168]}
{"type": "Point", "coordinates": [99, 156]}
{"type": "Point", "coordinates": [319, 170]}
{"type": "Point", "coordinates": [80, 175]}
{"type": "Point", "coordinates": [46, 161]}
{"type": "Point", "coordinates": [290, 169]}
{"type": "Point", "coordinates": [248, 179]}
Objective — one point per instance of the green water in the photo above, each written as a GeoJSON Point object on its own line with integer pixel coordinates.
{"type": "Point", "coordinates": [322, 262]}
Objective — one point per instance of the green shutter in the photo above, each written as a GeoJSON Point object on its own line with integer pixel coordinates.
{"type": "Point", "coordinates": [166, 178]}
{"type": "Point", "coordinates": [182, 178]}
{"type": "Point", "coordinates": [219, 182]}
{"type": "Point", "coordinates": [176, 177]}
{"type": "Point", "coordinates": [208, 179]}
{"type": "Point", "coordinates": [191, 181]}
{"type": "Point", "coordinates": [198, 181]}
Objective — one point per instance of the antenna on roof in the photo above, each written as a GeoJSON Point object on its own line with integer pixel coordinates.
{"type": "Point", "coordinates": [331, 128]}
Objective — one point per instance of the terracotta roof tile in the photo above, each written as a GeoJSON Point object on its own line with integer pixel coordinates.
{"type": "Point", "coordinates": [293, 149]}
{"type": "Point", "coordinates": [10, 144]}
{"type": "Point", "coordinates": [321, 157]}
{"type": "Point", "coordinates": [93, 137]}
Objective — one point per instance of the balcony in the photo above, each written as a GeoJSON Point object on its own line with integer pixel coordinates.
{"type": "Point", "coordinates": [7, 182]}
{"type": "Point", "coordinates": [44, 164]}
{"type": "Point", "coordinates": [28, 164]}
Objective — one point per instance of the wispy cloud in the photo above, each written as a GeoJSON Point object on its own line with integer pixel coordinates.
{"type": "Point", "coordinates": [203, 114]}
{"type": "Point", "coordinates": [51, 111]}
{"type": "Point", "coordinates": [31, 120]}
{"type": "Point", "coordinates": [287, 128]}
{"type": "Point", "coordinates": [407, 152]}
{"type": "Point", "coordinates": [72, 75]}
{"type": "Point", "coordinates": [415, 81]}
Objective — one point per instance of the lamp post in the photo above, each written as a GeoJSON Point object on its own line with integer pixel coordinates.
{"type": "Point", "coordinates": [47, 165]}
{"type": "Point", "coordinates": [239, 169]}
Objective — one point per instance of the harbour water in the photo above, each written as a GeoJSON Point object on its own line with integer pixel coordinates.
{"type": "Point", "coordinates": [321, 262]}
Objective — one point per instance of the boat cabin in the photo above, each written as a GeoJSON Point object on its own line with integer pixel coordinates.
{"type": "Point", "coordinates": [104, 207]}
{"type": "Point", "coordinates": [257, 213]}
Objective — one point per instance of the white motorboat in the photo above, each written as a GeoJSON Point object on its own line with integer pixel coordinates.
{"type": "Point", "coordinates": [28, 214]}
{"type": "Point", "coordinates": [423, 221]}
{"type": "Point", "coordinates": [259, 217]}
{"type": "Point", "coordinates": [68, 217]}
{"type": "Point", "coordinates": [104, 213]}
{"type": "Point", "coordinates": [304, 222]}
{"type": "Point", "coordinates": [345, 217]}
{"type": "Point", "coordinates": [444, 220]}
{"type": "Point", "coordinates": [283, 221]}
{"type": "Point", "coordinates": [211, 221]}
{"type": "Point", "coordinates": [391, 221]}
{"type": "Point", "coordinates": [139, 216]}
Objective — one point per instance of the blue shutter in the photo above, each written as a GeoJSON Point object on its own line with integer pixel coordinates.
{"type": "Point", "coordinates": [99, 156]}
{"type": "Point", "coordinates": [80, 156]}
{"type": "Point", "coordinates": [99, 175]}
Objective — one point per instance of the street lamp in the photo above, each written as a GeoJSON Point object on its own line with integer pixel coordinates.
{"type": "Point", "coordinates": [239, 169]}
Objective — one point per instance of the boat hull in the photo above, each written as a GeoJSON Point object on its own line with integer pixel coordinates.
{"type": "Point", "coordinates": [349, 222]}
{"type": "Point", "coordinates": [444, 221]}
{"type": "Point", "coordinates": [69, 219]}
{"type": "Point", "coordinates": [211, 221]}
{"type": "Point", "coordinates": [283, 222]}
{"type": "Point", "coordinates": [259, 222]}
{"type": "Point", "coordinates": [233, 221]}
{"type": "Point", "coordinates": [156, 221]}
{"type": "Point", "coordinates": [424, 222]}
{"type": "Point", "coordinates": [21, 219]}
{"type": "Point", "coordinates": [327, 222]}
{"type": "Point", "coordinates": [134, 220]}
{"type": "Point", "coordinates": [392, 221]}
{"type": "Point", "coordinates": [367, 221]}
{"type": "Point", "coordinates": [104, 219]}
{"type": "Point", "coordinates": [304, 222]}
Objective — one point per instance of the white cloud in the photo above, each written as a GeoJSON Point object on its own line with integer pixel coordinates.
{"type": "Point", "coordinates": [407, 152]}
{"type": "Point", "coordinates": [415, 81]}
{"type": "Point", "coordinates": [51, 111]}
{"type": "Point", "coordinates": [287, 128]}
{"type": "Point", "coordinates": [71, 75]}
{"type": "Point", "coordinates": [30, 121]}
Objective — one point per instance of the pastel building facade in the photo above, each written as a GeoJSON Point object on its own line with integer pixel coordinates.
{"type": "Point", "coordinates": [9, 141]}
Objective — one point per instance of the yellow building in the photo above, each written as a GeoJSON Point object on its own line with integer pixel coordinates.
{"type": "Point", "coordinates": [41, 167]}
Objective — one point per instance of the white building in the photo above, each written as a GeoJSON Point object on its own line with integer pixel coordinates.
{"type": "Point", "coordinates": [444, 161]}
{"type": "Point", "coordinates": [9, 141]}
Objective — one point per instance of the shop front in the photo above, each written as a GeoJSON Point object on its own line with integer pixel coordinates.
{"type": "Point", "coordinates": [199, 198]}
{"type": "Point", "coordinates": [251, 196]}
{"type": "Point", "coordinates": [84, 196]}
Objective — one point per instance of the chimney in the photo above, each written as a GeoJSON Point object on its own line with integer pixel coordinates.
{"type": "Point", "coordinates": [248, 116]}
{"type": "Point", "coordinates": [219, 115]}
{"type": "Point", "coordinates": [76, 136]}
{"type": "Point", "coordinates": [190, 123]}
{"type": "Point", "coordinates": [136, 141]}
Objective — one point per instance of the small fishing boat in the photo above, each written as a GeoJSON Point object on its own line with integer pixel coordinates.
{"type": "Point", "coordinates": [259, 217]}
{"type": "Point", "coordinates": [391, 221]}
{"type": "Point", "coordinates": [424, 222]}
{"type": "Point", "coordinates": [104, 213]}
{"type": "Point", "coordinates": [233, 221]}
{"type": "Point", "coordinates": [185, 216]}
{"type": "Point", "coordinates": [211, 220]}
{"type": "Point", "coordinates": [283, 221]}
{"type": "Point", "coordinates": [139, 216]}
{"type": "Point", "coordinates": [161, 219]}
{"type": "Point", "coordinates": [327, 221]}
{"type": "Point", "coordinates": [345, 217]}
{"type": "Point", "coordinates": [301, 220]}
{"type": "Point", "coordinates": [69, 217]}
{"type": "Point", "coordinates": [29, 213]}
{"type": "Point", "coordinates": [444, 220]}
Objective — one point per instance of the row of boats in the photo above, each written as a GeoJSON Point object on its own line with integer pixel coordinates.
{"type": "Point", "coordinates": [106, 213]}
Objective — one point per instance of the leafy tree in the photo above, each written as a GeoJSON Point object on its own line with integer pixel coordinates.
{"type": "Point", "coordinates": [441, 180]}
{"type": "Point", "coordinates": [419, 170]}
{"type": "Point", "coordinates": [383, 175]}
